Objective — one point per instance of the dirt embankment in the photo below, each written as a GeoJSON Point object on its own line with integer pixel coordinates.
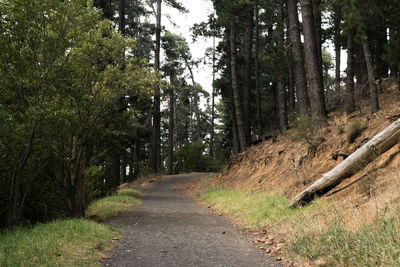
{"type": "Point", "coordinates": [290, 166]}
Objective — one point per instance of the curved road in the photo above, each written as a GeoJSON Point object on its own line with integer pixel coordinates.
{"type": "Point", "coordinates": [171, 229]}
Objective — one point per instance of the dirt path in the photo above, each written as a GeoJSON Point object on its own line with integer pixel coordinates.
{"type": "Point", "coordinates": [171, 229]}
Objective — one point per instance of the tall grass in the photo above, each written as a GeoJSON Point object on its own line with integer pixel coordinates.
{"type": "Point", "coordinates": [376, 244]}
{"type": "Point", "coordinates": [316, 232]}
{"type": "Point", "coordinates": [254, 210]}
{"type": "Point", "coordinates": [59, 243]}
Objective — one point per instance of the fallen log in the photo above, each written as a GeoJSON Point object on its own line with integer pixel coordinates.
{"type": "Point", "coordinates": [378, 145]}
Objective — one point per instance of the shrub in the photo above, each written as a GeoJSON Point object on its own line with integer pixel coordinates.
{"type": "Point", "coordinates": [354, 130]}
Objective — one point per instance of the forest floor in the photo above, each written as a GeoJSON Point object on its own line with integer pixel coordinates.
{"type": "Point", "coordinates": [170, 229]}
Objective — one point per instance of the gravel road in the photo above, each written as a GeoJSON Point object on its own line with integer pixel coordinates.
{"type": "Point", "coordinates": [170, 229]}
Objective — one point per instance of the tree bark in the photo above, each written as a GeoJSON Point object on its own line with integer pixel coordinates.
{"type": "Point", "coordinates": [318, 34]}
{"type": "Point", "coordinates": [314, 75]}
{"type": "Point", "coordinates": [351, 165]}
{"type": "Point", "coordinates": [298, 58]}
{"type": "Point", "coordinates": [248, 44]}
{"type": "Point", "coordinates": [236, 94]}
{"type": "Point", "coordinates": [257, 73]}
{"type": "Point", "coordinates": [337, 21]}
{"type": "Point", "coordinates": [212, 102]}
{"type": "Point", "coordinates": [373, 97]}
{"type": "Point", "coordinates": [155, 155]}
{"type": "Point", "coordinates": [121, 16]}
{"type": "Point", "coordinates": [77, 177]}
{"type": "Point", "coordinates": [171, 126]}
{"type": "Point", "coordinates": [350, 103]}
{"type": "Point", "coordinates": [196, 99]}
{"type": "Point", "coordinates": [280, 82]}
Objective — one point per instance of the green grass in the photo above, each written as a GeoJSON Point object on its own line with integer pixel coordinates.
{"type": "Point", "coordinates": [314, 232]}
{"type": "Point", "coordinates": [113, 205]}
{"type": "Point", "coordinates": [376, 244]}
{"type": "Point", "coordinates": [254, 210]}
{"type": "Point", "coordinates": [59, 243]}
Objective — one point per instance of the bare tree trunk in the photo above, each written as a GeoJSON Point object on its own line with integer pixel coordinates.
{"type": "Point", "coordinates": [155, 155]}
{"type": "Point", "coordinates": [257, 73]}
{"type": "Point", "coordinates": [337, 21]}
{"type": "Point", "coordinates": [196, 99]}
{"type": "Point", "coordinates": [77, 177]}
{"type": "Point", "coordinates": [212, 103]}
{"type": "Point", "coordinates": [121, 16]}
{"type": "Point", "coordinates": [248, 44]}
{"type": "Point", "coordinates": [312, 60]}
{"type": "Point", "coordinates": [373, 97]}
{"type": "Point", "coordinates": [280, 82]}
{"type": "Point", "coordinates": [171, 126]}
{"type": "Point", "coordinates": [122, 177]}
{"type": "Point", "coordinates": [351, 165]}
{"type": "Point", "coordinates": [318, 34]}
{"type": "Point", "coordinates": [350, 103]}
{"type": "Point", "coordinates": [236, 94]}
{"type": "Point", "coordinates": [298, 58]}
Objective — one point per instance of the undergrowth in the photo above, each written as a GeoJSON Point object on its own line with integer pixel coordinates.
{"type": "Point", "coordinates": [59, 243]}
{"type": "Point", "coordinates": [113, 205]}
{"type": "Point", "coordinates": [315, 232]}
{"type": "Point", "coordinates": [257, 209]}
{"type": "Point", "coordinates": [376, 244]}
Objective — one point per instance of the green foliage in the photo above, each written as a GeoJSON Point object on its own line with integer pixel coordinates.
{"type": "Point", "coordinates": [354, 130]}
{"type": "Point", "coordinates": [113, 205]}
{"type": "Point", "coordinates": [59, 243]}
{"type": "Point", "coordinates": [63, 71]}
{"type": "Point", "coordinates": [305, 128]}
{"type": "Point", "coordinates": [191, 158]}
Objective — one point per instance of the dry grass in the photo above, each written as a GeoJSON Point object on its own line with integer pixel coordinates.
{"type": "Point", "coordinates": [359, 203]}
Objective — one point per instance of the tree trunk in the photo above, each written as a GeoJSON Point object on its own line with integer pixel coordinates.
{"type": "Point", "coordinates": [373, 97]}
{"type": "Point", "coordinates": [77, 177]}
{"type": "Point", "coordinates": [196, 99]}
{"type": "Point", "coordinates": [236, 93]}
{"type": "Point", "coordinates": [317, 99]}
{"type": "Point", "coordinates": [155, 155]}
{"type": "Point", "coordinates": [361, 73]}
{"type": "Point", "coordinates": [382, 67]}
{"type": "Point", "coordinates": [280, 82]}
{"type": "Point", "coordinates": [351, 165]}
{"type": "Point", "coordinates": [212, 102]}
{"type": "Point", "coordinates": [171, 125]}
{"type": "Point", "coordinates": [318, 34]}
{"type": "Point", "coordinates": [298, 58]}
{"type": "Point", "coordinates": [337, 21]}
{"type": "Point", "coordinates": [350, 103]}
{"type": "Point", "coordinates": [248, 44]}
{"type": "Point", "coordinates": [121, 16]}
{"type": "Point", "coordinates": [122, 177]}
{"type": "Point", "coordinates": [257, 73]}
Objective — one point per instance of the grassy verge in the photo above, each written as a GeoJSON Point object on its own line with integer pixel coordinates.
{"type": "Point", "coordinates": [75, 242]}
{"type": "Point", "coordinates": [60, 243]}
{"type": "Point", "coordinates": [375, 244]}
{"type": "Point", "coordinates": [113, 205]}
{"type": "Point", "coordinates": [255, 210]}
{"type": "Point", "coordinates": [315, 233]}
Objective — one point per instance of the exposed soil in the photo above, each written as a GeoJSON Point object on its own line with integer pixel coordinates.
{"type": "Point", "coordinates": [288, 166]}
{"type": "Point", "coordinates": [170, 229]}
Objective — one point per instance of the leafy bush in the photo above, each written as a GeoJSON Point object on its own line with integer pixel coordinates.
{"type": "Point", "coordinates": [192, 158]}
{"type": "Point", "coordinates": [354, 130]}
{"type": "Point", "coordinates": [305, 128]}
